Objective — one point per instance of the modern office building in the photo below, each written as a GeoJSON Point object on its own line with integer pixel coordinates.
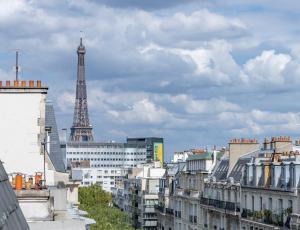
{"type": "Point", "coordinates": [102, 163]}
{"type": "Point", "coordinates": [154, 147]}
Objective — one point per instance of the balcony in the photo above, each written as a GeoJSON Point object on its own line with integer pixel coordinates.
{"type": "Point", "coordinates": [226, 205]}
{"type": "Point", "coordinates": [186, 192]}
{"type": "Point", "coordinates": [266, 217]}
{"type": "Point", "coordinates": [150, 223]}
{"type": "Point", "coordinates": [179, 192]}
{"type": "Point", "coordinates": [194, 193]}
{"type": "Point", "coordinates": [149, 209]}
{"type": "Point", "coordinates": [149, 216]}
{"type": "Point", "coordinates": [189, 193]}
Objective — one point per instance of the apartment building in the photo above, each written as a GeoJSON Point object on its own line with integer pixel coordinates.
{"type": "Point", "coordinates": [270, 188]}
{"type": "Point", "coordinates": [188, 190]}
{"type": "Point", "coordinates": [165, 206]}
{"type": "Point", "coordinates": [140, 190]}
{"type": "Point", "coordinates": [220, 201]}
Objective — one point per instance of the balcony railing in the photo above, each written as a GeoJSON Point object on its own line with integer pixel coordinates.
{"type": "Point", "coordinates": [149, 209]}
{"type": "Point", "coordinates": [235, 207]}
{"type": "Point", "coordinates": [266, 217]}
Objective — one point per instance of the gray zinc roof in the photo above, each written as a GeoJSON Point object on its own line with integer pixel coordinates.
{"type": "Point", "coordinates": [237, 171]}
{"type": "Point", "coordinates": [56, 154]}
{"type": "Point", "coordinates": [220, 172]}
{"type": "Point", "coordinates": [11, 216]}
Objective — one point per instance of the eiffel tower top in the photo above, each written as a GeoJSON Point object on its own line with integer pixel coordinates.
{"type": "Point", "coordinates": [81, 48]}
{"type": "Point", "coordinates": [81, 129]}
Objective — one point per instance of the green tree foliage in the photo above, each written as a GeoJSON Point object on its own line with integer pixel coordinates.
{"type": "Point", "coordinates": [97, 203]}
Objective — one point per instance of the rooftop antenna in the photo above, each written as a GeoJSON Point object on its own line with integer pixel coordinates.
{"type": "Point", "coordinates": [17, 65]}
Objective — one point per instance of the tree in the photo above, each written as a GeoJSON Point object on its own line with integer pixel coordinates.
{"type": "Point", "coordinates": [97, 202]}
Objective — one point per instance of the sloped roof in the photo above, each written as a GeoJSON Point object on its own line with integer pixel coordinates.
{"type": "Point", "coordinates": [175, 168]}
{"type": "Point", "coordinates": [56, 154]}
{"type": "Point", "coordinates": [11, 216]}
{"type": "Point", "coordinates": [236, 172]}
{"type": "Point", "coordinates": [220, 172]}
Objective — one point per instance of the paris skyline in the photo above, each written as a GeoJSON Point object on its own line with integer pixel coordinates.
{"type": "Point", "coordinates": [231, 71]}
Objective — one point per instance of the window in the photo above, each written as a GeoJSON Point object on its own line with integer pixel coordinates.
{"type": "Point", "coordinates": [270, 204]}
{"type": "Point", "coordinates": [290, 205]}
{"type": "Point", "coordinates": [280, 206]}
{"type": "Point", "coordinates": [260, 204]}
{"type": "Point", "coordinates": [228, 195]}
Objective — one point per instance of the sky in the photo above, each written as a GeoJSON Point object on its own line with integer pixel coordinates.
{"type": "Point", "coordinates": [196, 72]}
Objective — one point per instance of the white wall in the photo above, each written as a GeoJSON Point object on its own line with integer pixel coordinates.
{"type": "Point", "coordinates": [20, 148]}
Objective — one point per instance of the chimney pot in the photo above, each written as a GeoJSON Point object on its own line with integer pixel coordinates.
{"type": "Point", "coordinates": [7, 83]}
{"type": "Point", "coordinates": [23, 83]}
{"type": "Point", "coordinates": [16, 83]}
{"type": "Point", "coordinates": [31, 84]}
{"type": "Point", "coordinates": [38, 84]}
{"type": "Point", "coordinates": [0, 83]}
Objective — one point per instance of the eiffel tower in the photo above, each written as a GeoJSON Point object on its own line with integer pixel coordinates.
{"type": "Point", "coordinates": [81, 129]}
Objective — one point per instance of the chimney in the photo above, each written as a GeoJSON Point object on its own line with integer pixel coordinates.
{"type": "Point", "coordinates": [23, 83]}
{"type": "Point", "coordinates": [7, 83]}
{"type": "Point", "coordinates": [38, 84]}
{"type": "Point", "coordinates": [31, 84]}
{"type": "Point", "coordinates": [239, 147]}
{"type": "Point", "coordinates": [16, 83]}
{"type": "Point", "coordinates": [0, 83]}
{"type": "Point", "coordinates": [282, 144]}
{"type": "Point", "coordinates": [266, 143]}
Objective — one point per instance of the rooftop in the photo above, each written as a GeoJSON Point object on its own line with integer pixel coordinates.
{"type": "Point", "coordinates": [22, 86]}
{"type": "Point", "coordinates": [11, 216]}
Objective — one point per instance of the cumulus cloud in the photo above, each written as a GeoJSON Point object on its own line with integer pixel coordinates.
{"type": "Point", "coordinates": [267, 67]}
{"type": "Point", "coordinates": [258, 122]}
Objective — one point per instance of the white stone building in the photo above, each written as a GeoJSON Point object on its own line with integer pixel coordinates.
{"type": "Point", "coordinates": [189, 189]}
{"type": "Point", "coordinates": [220, 200]}
{"type": "Point", "coordinates": [24, 133]}
{"type": "Point", "coordinates": [30, 144]}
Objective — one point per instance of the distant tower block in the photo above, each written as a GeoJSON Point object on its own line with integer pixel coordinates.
{"type": "Point", "coordinates": [81, 129]}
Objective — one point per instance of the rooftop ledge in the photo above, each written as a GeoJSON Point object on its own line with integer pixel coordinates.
{"type": "Point", "coordinates": [22, 85]}
{"type": "Point", "coordinates": [23, 194]}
